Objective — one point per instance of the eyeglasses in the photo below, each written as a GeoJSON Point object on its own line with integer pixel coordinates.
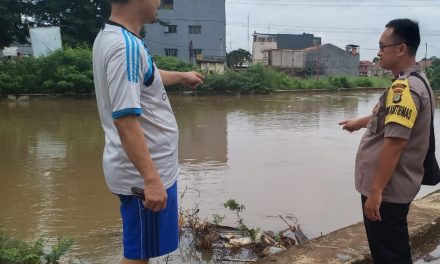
{"type": "Point", "coordinates": [382, 47]}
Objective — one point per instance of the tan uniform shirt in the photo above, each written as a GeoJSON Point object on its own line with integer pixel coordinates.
{"type": "Point", "coordinates": [403, 111]}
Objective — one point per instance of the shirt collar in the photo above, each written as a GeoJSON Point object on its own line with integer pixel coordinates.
{"type": "Point", "coordinates": [113, 23]}
{"type": "Point", "coordinates": [407, 72]}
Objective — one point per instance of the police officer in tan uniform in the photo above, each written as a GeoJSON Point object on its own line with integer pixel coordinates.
{"type": "Point", "coordinates": [389, 162]}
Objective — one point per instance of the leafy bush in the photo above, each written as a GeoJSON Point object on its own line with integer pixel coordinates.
{"type": "Point", "coordinates": [363, 82]}
{"type": "Point", "coordinates": [14, 251]}
{"type": "Point", "coordinates": [255, 79]}
{"type": "Point", "coordinates": [339, 82]}
{"type": "Point", "coordinates": [259, 79]}
{"type": "Point", "coordinates": [19, 77]}
{"type": "Point", "coordinates": [433, 74]}
{"type": "Point", "coordinates": [173, 64]}
{"type": "Point", "coordinates": [67, 71]}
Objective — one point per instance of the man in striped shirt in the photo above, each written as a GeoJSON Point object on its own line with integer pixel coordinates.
{"type": "Point", "coordinates": [141, 133]}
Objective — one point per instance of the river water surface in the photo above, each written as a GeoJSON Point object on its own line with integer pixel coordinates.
{"type": "Point", "coordinates": [276, 154]}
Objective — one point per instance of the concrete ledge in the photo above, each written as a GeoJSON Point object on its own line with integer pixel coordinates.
{"type": "Point", "coordinates": [349, 245]}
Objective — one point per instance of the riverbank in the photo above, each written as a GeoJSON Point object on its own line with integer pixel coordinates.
{"type": "Point", "coordinates": [69, 71]}
{"type": "Point", "coordinates": [349, 245]}
{"type": "Point", "coordinates": [22, 97]}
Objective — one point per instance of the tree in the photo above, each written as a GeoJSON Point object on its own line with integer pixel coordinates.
{"type": "Point", "coordinates": [433, 74]}
{"type": "Point", "coordinates": [79, 20]}
{"type": "Point", "coordinates": [376, 59]}
{"type": "Point", "coordinates": [236, 58]}
{"type": "Point", "coordinates": [14, 28]}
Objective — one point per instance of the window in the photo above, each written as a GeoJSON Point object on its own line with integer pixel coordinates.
{"type": "Point", "coordinates": [316, 41]}
{"type": "Point", "coordinates": [167, 4]}
{"type": "Point", "coordinates": [197, 52]}
{"type": "Point", "coordinates": [195, 29]}
{"type": "Point", "coordinates": [170, 29]}
{"type": "Point", "coordinates": [171, 52]}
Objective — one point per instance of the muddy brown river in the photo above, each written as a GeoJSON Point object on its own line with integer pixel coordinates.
{"type": "Point", "coordinates": [276, 154]}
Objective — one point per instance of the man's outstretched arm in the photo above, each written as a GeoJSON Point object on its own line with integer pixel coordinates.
{"type": "Point", "coordinates": [352, 125]}
{"type": "Point", "coordinates": [187, 79]}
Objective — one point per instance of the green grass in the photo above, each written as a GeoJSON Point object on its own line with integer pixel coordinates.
{"type": "Point", "coordinates": [259, 79]}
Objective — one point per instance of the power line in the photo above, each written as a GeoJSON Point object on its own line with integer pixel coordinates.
{"type": "Point", "coordinates": [433, 47]}
{"type": "Point", "coordinates": [327, 29]}
{"type": "Point", "coordinates": [331, 29]}
{"type": "Point", "coordinates": [338, 3]}
{"type": "Point", "coordinates": [293, 4]}
{"type": "Point", "coordinates": [245, 24]}
{"type": "Point", "coordinates": [358, 30]}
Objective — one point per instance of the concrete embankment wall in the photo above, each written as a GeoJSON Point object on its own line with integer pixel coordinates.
{"type": "Point", "coordinates": [349, 245]}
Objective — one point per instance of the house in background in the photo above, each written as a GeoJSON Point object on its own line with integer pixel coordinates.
{"type": "Point", "coordinates": [189, 28]}
{"type": "Point", "coordinates": [327, 59]}
{"type": "Point", "coordinates": [263, 42]}
{"type": "Point", "coordinates": [330, 60]}
{"type": "Point", "coordinates": [425, 63]}
{"type": "Point", "coordinates": [210, 65]}
{"type": "Point", "coordinates": [15, 49]}
{"type": "Point", "coordinates": [364, 66]}
{"type": "Point", "coordinates": [377, 70]}
{"type": "Point", "coordinates": [287, 60]}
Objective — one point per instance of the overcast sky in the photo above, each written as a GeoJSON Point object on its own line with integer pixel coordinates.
{"type": "Point", "coordinates": [339, 22]}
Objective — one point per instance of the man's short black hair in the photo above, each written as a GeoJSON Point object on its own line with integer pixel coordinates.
{"type": "Point", "coordinates": [406, 31]}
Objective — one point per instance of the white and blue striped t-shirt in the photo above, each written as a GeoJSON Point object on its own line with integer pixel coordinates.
{"type": "Point", "coordinates": [128, 83]}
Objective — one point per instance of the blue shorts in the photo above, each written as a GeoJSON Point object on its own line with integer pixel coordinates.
{"type": "Point", "coordinates": [147, 234]}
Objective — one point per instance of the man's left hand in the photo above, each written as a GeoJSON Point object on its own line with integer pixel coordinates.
{"type": "Point", "coordinates": [372, 206]}
{"type": "Point", "coordinates": [192, 79]}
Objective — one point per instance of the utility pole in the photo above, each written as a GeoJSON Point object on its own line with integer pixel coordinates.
{"type": "Point", "coordinates": [426, 51]}
{"type": "Point", "coordinates": [281, 57]}
{"type": "Point", "coordinates": [248, 33]}
{"type": "Point", "coordinates": [221, 48]}
{"type": "Point", "coordinates": [293, 64]}
{"type": "Point", "coordinates": [318, 63]}
{"type": "Point", "coordinates": [230, 39]}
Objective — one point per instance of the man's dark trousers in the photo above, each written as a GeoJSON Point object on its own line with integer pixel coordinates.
{"type": "Point", "coordinates": [389, 239]}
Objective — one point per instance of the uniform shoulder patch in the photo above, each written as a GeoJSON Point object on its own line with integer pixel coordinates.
{"type": "Point", "coordinates": [400, 106]}
{"type": "Point", "coordinates": [398, 89]}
